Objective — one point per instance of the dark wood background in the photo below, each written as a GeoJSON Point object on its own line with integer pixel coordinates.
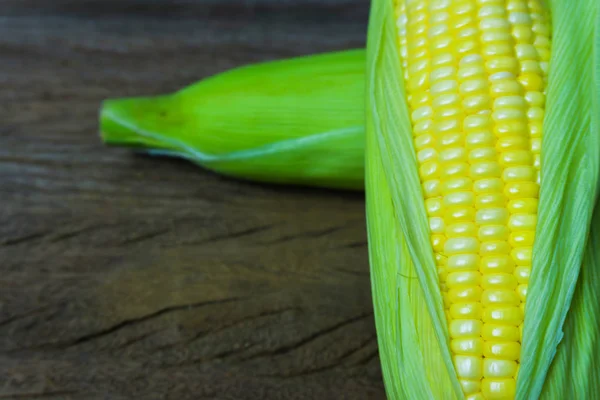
{"type": "Point", "coordinates": [126, 277]}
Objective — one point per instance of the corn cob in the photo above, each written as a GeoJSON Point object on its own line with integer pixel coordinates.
{"type": "Point", "coordinates": [476, 104]}
{"type": "Point", "coordinates": [296, 121]}
{"type": "Point", "coordinates": [456, 126]}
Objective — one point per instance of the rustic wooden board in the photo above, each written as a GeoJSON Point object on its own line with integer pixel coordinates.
{"type": "Point", "coordinates": [127, 277]}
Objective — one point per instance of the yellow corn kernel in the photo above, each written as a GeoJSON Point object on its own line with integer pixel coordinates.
{"type": "Point", "coordinates": [493, 233]}
{"type": "Point", "coordinates": [440, 259]}
{"type": "Point", "coordinates": [463, 262]}
{"type": "Point", "coordinates": [521, 173]}
{"type": "Point", "coordinates": [424, 141]}
{"type": "Point", "coordinates": [495, 248]}
{"type": "Point", "coordinates": [470, 386]}
{"type": "Point", "coordinates": [438, 242]}
{"type": "Point", "coordinates": [522, 273]}
{"type": "Point", "coordinates": [505, 87]}
{"type": "Point", "coordinates": [431, 188]}
{"type": "Point", "coordinates": [523, 206]}
{"type": "Point", "coordinates": [531, 81]}
{"type": "Point", "coordinates": [468, 367]}
{"type": "Point", "coordinates": [493, 185]}
{"type": "Point", "coordinates": [502, 350]}
{"type": "Point", "coordinates": [457, 199]}
{"type": "Point", "coordinates": [490, 200]}
{"type": "Point", "coordinates": [503, 315]}
{"type": "Point", "coordinates": [461, 245]}
{"type": "Point", "coordinates": [466, 310]}
{"type": "Point", "coordinates": [497, 264]}
{"type": "Point", "coordinates": [482, 170]}
{"type": "Point", "coordinates": [434, 206]}
{"type": "Point", "coordinates": [499, 280]}
{"type": "Point", "coordinates": [520, 190]}
{"type": "Point", "coordinates": [492, 216]}
{"type": "Point", "coordinates": [511, 128]}
{"type": "Point", "coordinates": [467, 278]}
{"type": "Point", "coordinates": [459, 214]}
{"type": "Point", "coordinates": [515, 142]}
{"type": "Point", "coordinates": [442, 275]}
{"type": "Point", "coordinates": [500, 297]}
{"type": "Point", "coordinates": [464, 294]}
{"type": "Point", "coordinates": [476, 396]}
{"type": "Point", "coordinates": [535, 99]}
{"type": "Point", "coordinates": [522, 222]}
{"type": "Point", "coordinates": [436, 225]}
{"type": "Point", "coordinates": [464, 328]}
{"type": "Point", "coordinates": [468, 346]}
{"type": "Point", "coordinates": [499, 332]}
{"type": "Point", "coordinates": [516, 158]}
{"type": "Point", "coordinates": [498, 389]}
{"type": "Point", "coordinates": [502, 64]}
{"type": "Point", "coordinates": [521, 256]}
{"type": "Point", "coordinates": [477, 123]}
{"type": "Point", "coordinates": [454, 170]}
{"type": "Point", "coordinates": [498, 368]}
{"type": "Point", "coordinates": [459, 184]}
{"type": "Point", "coordinates": [482, 154]}
{"type": "Point", "coordinates": [521, 239]}
{"type": "Point", "coordinates": [522, 292]}
{"type": "Point", "coordinates": [461, 229]}
{"type": "Point", "coordinates": [430, 170]}
{"type": "Point", "coordinates": [480, 138]}
{"type": "Point", "coordinates": [476, 103]}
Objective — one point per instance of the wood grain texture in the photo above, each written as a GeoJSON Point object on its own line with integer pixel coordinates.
{"type": "Point", "coordinates": [127, 277]}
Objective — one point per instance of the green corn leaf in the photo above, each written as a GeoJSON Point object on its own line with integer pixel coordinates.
{"type": "Point", "coordinates": [575, 370]}
{"type": "Point", "coordinates": [568, 190]}
{"type": "Point", "coordinates": [296, 121]}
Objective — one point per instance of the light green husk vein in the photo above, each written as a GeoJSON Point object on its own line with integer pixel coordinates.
{"type": "Point", "coordinates": [411, 328]}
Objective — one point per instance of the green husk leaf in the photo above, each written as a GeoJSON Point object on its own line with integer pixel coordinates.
{"type": "Point", "coordinates": [568, 191]}
{"type": "Point", "coordinates": [411, 327]}
{"type": "Point", "coordinates": [296, 121]}
{"type": "Point", "coordinates": [575, 371]}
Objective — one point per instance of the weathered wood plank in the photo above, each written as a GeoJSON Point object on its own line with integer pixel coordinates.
{"type": "Point", "coordinates": [127, 277]}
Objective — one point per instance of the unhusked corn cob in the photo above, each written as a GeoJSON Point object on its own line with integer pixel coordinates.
{"type": "Point", "coordinates": [275, 121]}
{"type": "Point", "coordinates": [474, 73]}
{"type": "Point", "coordinates": [458, 195]}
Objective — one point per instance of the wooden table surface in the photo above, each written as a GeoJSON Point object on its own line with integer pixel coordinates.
{"type": "Point", "coordinates": [127, 277]}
